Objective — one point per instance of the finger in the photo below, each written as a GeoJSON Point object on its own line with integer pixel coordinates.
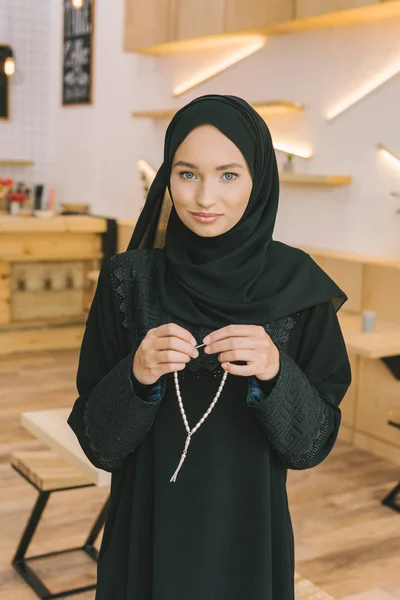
{"type": "Point", "coordinates": [242, 371]}
{"type": "Point", "coordinates": [171, 367]}
{"type": "Point", "coordinates": [174, 343]}
{"type": "Point", "coordinates": [233, 343]}
{"type": "Point", "coordinates": [233, 331]}
{"type": "Point", "coordinates": [249, 356]}
{"type": "Point", "coordinates": [174, 330]}
{"type": "Point", "coordinates": [171, 356]}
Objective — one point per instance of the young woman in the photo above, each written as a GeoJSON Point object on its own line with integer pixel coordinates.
{"type": "Point", "coordinates": [199, 440]}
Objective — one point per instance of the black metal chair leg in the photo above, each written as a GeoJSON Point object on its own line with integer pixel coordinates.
{"type": "Point", "coordinates": [31, 526]}
{"type": "Point", "coordinates": [94, 532]}
{"type": "Point", "coordinates": [393, 498]}
{"type": "Point", "coordinates": [20, 563]}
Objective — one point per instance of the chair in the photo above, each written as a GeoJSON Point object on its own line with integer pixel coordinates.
{"type": "Point", "coordinates": [49, 473]}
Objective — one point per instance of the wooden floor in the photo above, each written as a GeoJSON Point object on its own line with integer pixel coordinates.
{"type": "Point", "coordinates": [347, 543]}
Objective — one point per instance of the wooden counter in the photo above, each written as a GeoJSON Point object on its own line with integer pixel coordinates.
{"type": "Point", "coordinates": [44, 288]}
{"type": "Point", "coordinates": [375, 391]}
{"type": "Point", "coordinates": [370, 282]}
{"type": "Point", "coordinates": [59, 223]}
{"type": "Point", "coordinates": [384, 341]}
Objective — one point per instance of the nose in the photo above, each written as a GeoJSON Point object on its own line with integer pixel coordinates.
{"type": "Point", "coordinates": [206, 197]}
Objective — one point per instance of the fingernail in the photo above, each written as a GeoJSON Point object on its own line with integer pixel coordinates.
{"type": "Point", "coordinates": [207, 349]}
{"type": "Point", "coordinates": [207, 339]}
{"type": "Point", "coordinates": [194, 342]}
{"type": "Point", "coordinates": [195, 354]}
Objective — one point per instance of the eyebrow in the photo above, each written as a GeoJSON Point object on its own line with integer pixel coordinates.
{"type": "Point", "coordinates": [182, 163]}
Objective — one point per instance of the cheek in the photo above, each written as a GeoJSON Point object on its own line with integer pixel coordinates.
{"type": "Point", "coordinates": [182, 193]}
{"type": "Point", "coordinates": [239, 198]}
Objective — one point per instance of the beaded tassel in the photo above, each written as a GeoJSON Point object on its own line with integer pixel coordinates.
{"type": "Point", "coordinates": [187, 444]}
{"type": "Point", "coordinates": [191, 432]}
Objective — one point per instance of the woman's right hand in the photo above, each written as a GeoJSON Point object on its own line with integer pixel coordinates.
{"type": "Point", "coordinates": [164, 350]}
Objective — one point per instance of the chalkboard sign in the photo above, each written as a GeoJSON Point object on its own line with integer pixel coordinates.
{"type": "Point", "coordinates": [4, 93]}
{"type": "Point", "coordinates": [78, 53]}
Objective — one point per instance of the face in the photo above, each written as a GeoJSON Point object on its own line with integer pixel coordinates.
{"type": "Point", "coordinates": [210, 176]}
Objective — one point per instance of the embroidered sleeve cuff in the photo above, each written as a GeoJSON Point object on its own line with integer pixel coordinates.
{"type": "Point", "coordinates": [258, 390]}
{"type": "Point", "coordinates": [116, 418]}
{"type": "Point", "coordinates": [296, 419]}
{"type": "Point", "coordinates": [148, 393]}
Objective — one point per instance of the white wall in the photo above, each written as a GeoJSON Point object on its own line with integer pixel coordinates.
{"type": "Point", "coordinates": [25, 25]}
{"type": "Point", "coordinates": [319, 69]}
{"type": "Point", "coordinates": [94, 150]}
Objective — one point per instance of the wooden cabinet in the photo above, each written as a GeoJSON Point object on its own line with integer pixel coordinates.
{"type": "Point", "coordinates": [252, 14]}
{"type": "Point", "coordinates": [199, 18]}
{"type": "Point", "coordinates": [378, 393]}
{"type": "Point", "coordinates": [309, 8]}
{"type": "Point", "coordinates": [149, 23]}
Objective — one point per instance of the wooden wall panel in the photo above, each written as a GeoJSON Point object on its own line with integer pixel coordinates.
{"type": "Point", "coordinates": [348, 276]}
{"type": "Point", "coordinates": [379, 393]}
{"type": "Point", "coordinates": [348, 404]}
{"type": "Point", "coordinates": [346, 434]}
{"type": "Point", "coordinates": [382, 291]}
{"type": "Point", "coordinates": [197, 19]}
{"type": "Point", "coordinates": [309, 8]}
{"type": "Point", "coordinates": [377, 447]}
{"type": "Point", "coordinates": [256, 13]}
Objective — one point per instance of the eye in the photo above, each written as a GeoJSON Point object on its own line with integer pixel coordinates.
{"type": "Point", "coordinates": [188, 175]}
{"type": "Point", "coordinates": [230, 176]}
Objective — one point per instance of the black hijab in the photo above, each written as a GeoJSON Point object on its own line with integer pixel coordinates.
{"type": "Point", "coordinates": [242, 276]}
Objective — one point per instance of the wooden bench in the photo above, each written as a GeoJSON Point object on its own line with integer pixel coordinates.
{"type": "Point", "coordinates": [393, 498]}
{"type": "Point", "coordinates": [47, 472]}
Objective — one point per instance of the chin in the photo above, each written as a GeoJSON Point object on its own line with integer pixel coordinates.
{"type": "Point", "coordinates": [205, 230]}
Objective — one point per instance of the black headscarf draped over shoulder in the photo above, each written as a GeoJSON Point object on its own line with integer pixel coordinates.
{"type": "Point", "coordinates": [242, 276]}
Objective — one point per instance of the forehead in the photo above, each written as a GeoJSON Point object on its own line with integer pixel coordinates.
{"type": "Point", "coordinates": [208, 144]}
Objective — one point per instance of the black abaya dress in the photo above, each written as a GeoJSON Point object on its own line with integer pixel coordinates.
{"type": "Point", "coordinates": [223, 530]}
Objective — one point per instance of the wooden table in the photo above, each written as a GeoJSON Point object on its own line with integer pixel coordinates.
{"type": "Point", "coordinates": [51, 428]}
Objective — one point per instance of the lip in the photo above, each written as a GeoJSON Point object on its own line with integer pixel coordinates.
{"type": "Point", "coordinates": [205, 217]}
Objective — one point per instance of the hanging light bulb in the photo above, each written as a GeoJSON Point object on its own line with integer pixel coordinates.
{"type": "Point", "coordinates": [9, 66]}
{"type": "Point", "coordinates": [77, 3]}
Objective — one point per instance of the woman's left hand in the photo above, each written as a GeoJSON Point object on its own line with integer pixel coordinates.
{"type": "Point", "coordinates": [249, 343]}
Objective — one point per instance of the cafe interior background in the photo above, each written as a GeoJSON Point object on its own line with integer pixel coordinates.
{"type": "Point", "coordinates": [86, 95]}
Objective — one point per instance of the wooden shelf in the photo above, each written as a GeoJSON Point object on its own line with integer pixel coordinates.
{"type": "Point", "coordinates": [364, 14]}
{"type": "Point", "coordinates": [16, 163]}
{"type": "Point", "coordinates": [383, 342]}
{"type": "Point", "coordinates": [316, 180]}
{"type": "Point", "coordinates": [278, 107]}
